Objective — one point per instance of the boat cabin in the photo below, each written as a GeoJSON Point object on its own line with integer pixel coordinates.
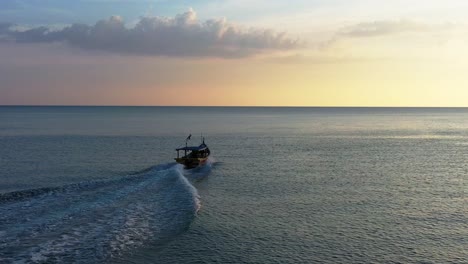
{"type": "Point", "coordinates": [191, 152]}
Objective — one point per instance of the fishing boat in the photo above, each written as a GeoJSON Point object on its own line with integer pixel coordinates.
{"type": "Point", "coordinates": [193, 156]}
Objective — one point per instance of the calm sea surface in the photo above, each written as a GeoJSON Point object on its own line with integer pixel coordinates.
{"type": "Point", "coordinates": [285, 185]}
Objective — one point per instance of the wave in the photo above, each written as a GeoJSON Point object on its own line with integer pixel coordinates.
{"type": "Point", "coordinates": [97, 221]}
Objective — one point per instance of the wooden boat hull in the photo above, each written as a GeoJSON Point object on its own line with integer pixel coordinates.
{"type": "Point", "coordinates": [190, 163]}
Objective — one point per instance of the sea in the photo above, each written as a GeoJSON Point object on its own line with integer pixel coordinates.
{"type": "Point", "coordinates": [283, 185]}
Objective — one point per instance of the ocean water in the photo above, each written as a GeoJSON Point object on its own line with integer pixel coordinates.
{"type": "Point", "coordinates": [284, 185]}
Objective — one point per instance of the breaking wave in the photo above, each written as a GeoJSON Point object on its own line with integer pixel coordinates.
{"type": "Point", "coordinates": [98, 221]}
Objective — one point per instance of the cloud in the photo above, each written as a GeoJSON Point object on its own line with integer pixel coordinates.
{"type": "Point", "coordinates": [404, 30]}
{"type": "Point", "coordinates": [322, 59]}
{"type": "Point", "coordinates": [382, 28]}
{"type": "Point", "coordinates": [181, 36]}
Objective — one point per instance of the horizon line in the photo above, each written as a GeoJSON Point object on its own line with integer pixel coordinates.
{"type": "Point", "coordinates": [226, 106]}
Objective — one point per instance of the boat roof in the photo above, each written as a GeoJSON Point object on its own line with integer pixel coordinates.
{"type": "Point", "coordinates": [192, 148]}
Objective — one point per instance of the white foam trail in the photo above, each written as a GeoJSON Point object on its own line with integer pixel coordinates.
{"type": "Point", "coordinates": [96, 221]}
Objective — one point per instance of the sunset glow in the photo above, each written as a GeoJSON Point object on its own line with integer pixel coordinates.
{"type": "Point", "coordinates": [278, 53]}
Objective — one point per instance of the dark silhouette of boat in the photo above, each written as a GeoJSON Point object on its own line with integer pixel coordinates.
{"type": "Point", "coordinates": [193, 156]}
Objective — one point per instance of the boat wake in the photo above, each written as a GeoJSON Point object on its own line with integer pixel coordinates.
{"type": "Point", "coordinates": [98, 221]}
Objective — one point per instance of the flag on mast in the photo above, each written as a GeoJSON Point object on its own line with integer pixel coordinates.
{"type": "Point", "coordinates": [189, 137]}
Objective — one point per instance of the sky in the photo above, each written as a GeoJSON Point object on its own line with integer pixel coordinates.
{"type": "Point", "coordinates": [234, 52]}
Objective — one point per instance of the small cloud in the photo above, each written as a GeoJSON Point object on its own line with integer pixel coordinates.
{"type": "Point", "coordinates": [381, 28]}
{"type": "Point", "coordinates": [181, 36]}
{"type": "Point", "coordinates": [389, 28]}
{"type": "Point", "coordinates": [321, 59]}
